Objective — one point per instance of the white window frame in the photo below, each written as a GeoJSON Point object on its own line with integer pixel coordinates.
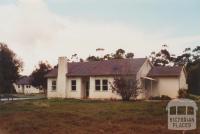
{"type": "Point", "coordinates": [53, 85]}
{"type": "Point", "coordinates": [99, 85]}
{"type": "Point", "coordinates": [73, 85]}
{"type": "Point", "coordinates": [106, 85]}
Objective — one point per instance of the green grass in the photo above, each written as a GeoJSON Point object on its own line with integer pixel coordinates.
{"type": "Point", "coordinates": [63, 116]}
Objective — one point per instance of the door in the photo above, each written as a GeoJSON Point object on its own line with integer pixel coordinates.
{"type": "Point", "coordinates": [87, 87]}
{"type": "Point", "coordinates": [23, 89]}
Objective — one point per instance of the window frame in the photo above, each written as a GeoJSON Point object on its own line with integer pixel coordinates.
{"type": "Point", "coordinates": [104, 85]}
{"type": "Point", "coordinates": [53, 85]}
{"type": "Point", "coordinates": [73, 85]}
{"type": "Point", "coordinates": [98, 85]}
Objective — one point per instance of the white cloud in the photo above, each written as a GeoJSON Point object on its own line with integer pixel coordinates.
{"type": "Point", "coordinates": [36, 33]}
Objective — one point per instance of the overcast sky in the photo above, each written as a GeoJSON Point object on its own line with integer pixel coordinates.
{"type": "Point", "coordinates": [46, 29]}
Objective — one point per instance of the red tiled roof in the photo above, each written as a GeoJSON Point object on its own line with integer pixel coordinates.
{"type": "Point", "coordinates": [165, 72]}
{"type": "Point", "coordinates": [102, 68]}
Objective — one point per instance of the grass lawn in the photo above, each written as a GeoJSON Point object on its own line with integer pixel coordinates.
{"type": "Point", "coordinates": [72, 116]}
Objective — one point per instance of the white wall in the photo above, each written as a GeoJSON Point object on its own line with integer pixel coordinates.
{"type": "Point", "coordinates": [93, 94]}
{"type": "Point", "coordinates": [69, 92]}
{"type": "Point", "coordinates": [78, 94]}
{"type": "Point", "coordinates": [52, 93]}
{"type": "Point", "coordinates": [31, 90]}
{"type": "Point", "coordinates": [167, 86]}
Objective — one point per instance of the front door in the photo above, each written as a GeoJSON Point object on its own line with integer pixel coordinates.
{"type": "Point", "coordinates": [87, 87]}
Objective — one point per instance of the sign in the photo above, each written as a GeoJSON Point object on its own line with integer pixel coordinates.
{"type": "Point", "coordinates": [182, 114]}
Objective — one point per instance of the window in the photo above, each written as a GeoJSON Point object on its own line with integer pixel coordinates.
{"type": "Point", "coordinates": [105, 85]}
{"type": "Point", "coordinates": [73, 82]}
{"type": "Point", "coordinates": [53, 85]}
{"type": "Point", "coordinates": [98, 85]}
{"type": "Point", "coordinates": [18, 86]}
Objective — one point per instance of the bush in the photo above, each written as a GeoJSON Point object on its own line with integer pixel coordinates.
{"type": "Point", "coordinates": [126, 87]}
{"type": "Point", "coordinates": [183, 93]}
{"type": "Point", "coordinates": [163, 97]}
{"type": "Point", "coordinates": [194, 97]}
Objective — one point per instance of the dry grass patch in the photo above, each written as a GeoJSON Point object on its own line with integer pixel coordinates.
{"type": "Point", "coordinates": [84, 117]}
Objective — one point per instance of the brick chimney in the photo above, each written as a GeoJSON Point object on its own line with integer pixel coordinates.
{"type": "Point", "coordinates": [61, 78]}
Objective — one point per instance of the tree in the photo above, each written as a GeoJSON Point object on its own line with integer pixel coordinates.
{"type": "Point", "coordinates": [119, 54]}
{"type": "Point", "coordinates": [107, 57]}
{"type": "Point", "coordinates": [126, 87]}
{"type": "Point", "coordinates": [10, 67]}
{"type": "Point", "coordinates": [191, 59]}
{"type": "Point", "coordinates": [163, 57]}
{"type": "Point", "coordinates": [129, 55]}
{"type": "Point", "coordinates": [93, 58]}
{"type": "Point", "coordinates": [38, 75]}
{"type": "Point", "coordinates": [185, 58]}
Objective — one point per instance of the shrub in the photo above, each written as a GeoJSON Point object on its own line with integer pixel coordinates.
{"type": "Point", "coordinates": [183, 93]}
{"type": "Point", "coordinates": [126, 87]}
{"type": "Point", "coordinates": [194, 97]}
{"type": "Point", "coordinates": [163, 97]}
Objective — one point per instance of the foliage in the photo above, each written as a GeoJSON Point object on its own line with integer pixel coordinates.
{"type": "Point", "coordinates": [93, 58]}
{"type": "Point", "coordinates": [185, 58]}
{"type": "Point", "coordinates": [129, 55]}
{"type": "Point", "coordinates": [38, 75]}
{"type": "Point", "coordinates": [126, 87]}
{"type": "Point", "coordinates": [194, 97]}
{"type": "Point", "coordinates": [10, 67]}
{"type": "Point", "coordinates": [163, 97]}
{"type": "Point", "coordinates": [119, 54]}
{"type": "Point", "coordinates": [183, 93]}
{"type": "Point", "coordinates": [191, 59]}
{"type": "Point", "coordinates": [163, 57]}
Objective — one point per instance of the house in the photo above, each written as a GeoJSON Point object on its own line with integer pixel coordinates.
{"type": "Point", "coordinates": [168, 81]}
{"type": "Point", "coordinates": [92, 79]}
{"type": "Point", "coordinates": [24, 85]}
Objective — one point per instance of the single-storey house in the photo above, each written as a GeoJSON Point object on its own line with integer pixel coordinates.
{"type": "Point", "coordinates": [92, 79]}
{"type": "Point", "coordinates": [24, 85]}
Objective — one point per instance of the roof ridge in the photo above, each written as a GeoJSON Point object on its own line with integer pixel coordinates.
{"type": "Point", "coordinates": [108, 60]}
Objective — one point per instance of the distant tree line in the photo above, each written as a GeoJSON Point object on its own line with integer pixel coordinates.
{"type": "Point", "coordinates": [119, 54]}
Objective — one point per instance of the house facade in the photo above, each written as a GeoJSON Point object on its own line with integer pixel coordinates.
{"type": "Point", "coordinates": [23, 85]}
{"type": "Point", "coordinates": [93, 79]}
